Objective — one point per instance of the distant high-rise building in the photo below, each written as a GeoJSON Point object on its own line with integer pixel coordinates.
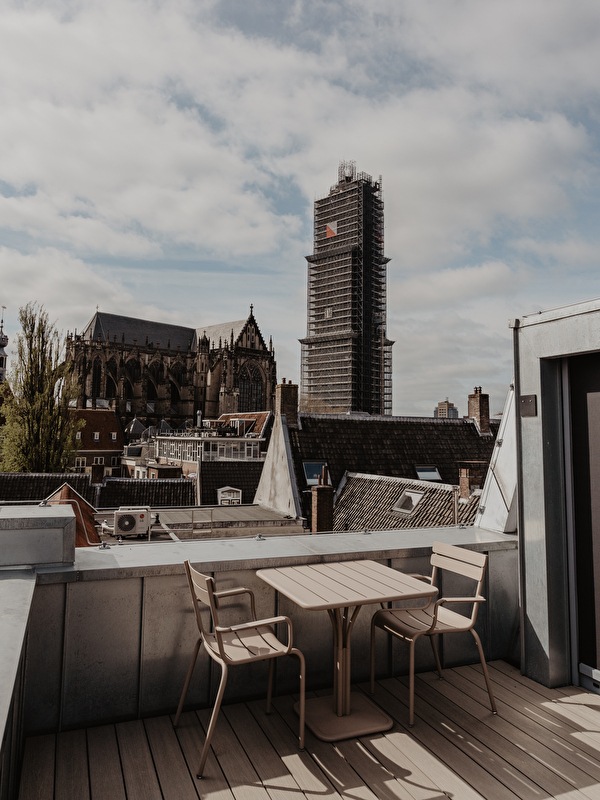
{"type": "Point", "coordinates": [346, 355]}
{"type": "Point", "coordinates": [446, 409]}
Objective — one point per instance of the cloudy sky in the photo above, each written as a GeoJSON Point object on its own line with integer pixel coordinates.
{"type": "Point", "coordinates": [160, 158]}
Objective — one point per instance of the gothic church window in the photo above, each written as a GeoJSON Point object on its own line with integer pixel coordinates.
{"type": "Point", "coordinates": [251, 389]}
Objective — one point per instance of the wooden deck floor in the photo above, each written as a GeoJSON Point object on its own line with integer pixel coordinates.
{"type": "Point", "coordinates": [542, 744]}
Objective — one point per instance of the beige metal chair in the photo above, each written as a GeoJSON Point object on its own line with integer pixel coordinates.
{"type": "Point", "coordinates": [436, 619]}
{"type": "Point", "coordinates": [236, 644]}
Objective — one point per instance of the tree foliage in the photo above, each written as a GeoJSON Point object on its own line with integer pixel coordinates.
{"type": "Point", "coordinates": [39, 435]}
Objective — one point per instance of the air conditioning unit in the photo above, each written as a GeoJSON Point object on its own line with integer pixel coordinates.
{"type": "Point", "coordinates": [132, 521]}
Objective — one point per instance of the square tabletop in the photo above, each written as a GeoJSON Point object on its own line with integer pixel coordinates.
{"type": "Point", "coordinates": [345, 583]}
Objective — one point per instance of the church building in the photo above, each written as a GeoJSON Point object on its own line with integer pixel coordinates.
{"type": "Point", "coordinates": [161, 373]}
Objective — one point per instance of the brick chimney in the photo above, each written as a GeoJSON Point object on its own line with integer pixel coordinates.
{"type": "Point", "coordinates": [322, 505]}
{"type": "Point", "coordinates": [286, 402]}
{"type": "Point", "coordinates": [464, 482]}
{"type": "Point", "coordinates": [479, 409]}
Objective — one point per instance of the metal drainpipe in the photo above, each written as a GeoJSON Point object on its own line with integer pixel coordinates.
{"type": "Point", "coordinates": [520, 523]}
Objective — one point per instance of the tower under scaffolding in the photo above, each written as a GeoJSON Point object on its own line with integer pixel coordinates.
{"type": "Point", "coordinates": [346, 355]}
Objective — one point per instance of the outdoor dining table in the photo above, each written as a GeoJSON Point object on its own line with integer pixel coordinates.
{"type": "Point", "coordinates": [342, 588]}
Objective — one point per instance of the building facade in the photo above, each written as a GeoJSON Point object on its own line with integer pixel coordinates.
{"type": "Point", "coordinates": [346, 356]}
{"type": "Point", "coordinates": [154, 372]}
{"type": "Point", "coordinates": [446, 409]}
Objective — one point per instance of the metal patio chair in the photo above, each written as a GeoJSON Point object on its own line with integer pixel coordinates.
{"type": "Point", "coordinates": [437, 619]}
{"type": "Point", "coordinates": [232, 645]}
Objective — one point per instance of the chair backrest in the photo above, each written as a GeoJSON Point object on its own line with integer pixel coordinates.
{"type": "Point", "coordinates": [450, 558]}
{"type": "Point", "coordinates": [202, 588]}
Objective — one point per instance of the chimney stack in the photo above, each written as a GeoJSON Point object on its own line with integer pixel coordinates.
{"type": "Point", "coordinates": [479, 409]}
{"type": "Point", "coordinates": [286, 402]}
{"type": "Point", "coordinates": [322, 504]}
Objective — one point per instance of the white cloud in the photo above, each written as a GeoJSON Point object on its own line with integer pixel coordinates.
{"type": "Point", "coordinates": [163, 155]}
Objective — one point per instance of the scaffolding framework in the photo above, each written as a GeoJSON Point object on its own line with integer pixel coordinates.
{"type": "Point", "coordinates": [346, 356]}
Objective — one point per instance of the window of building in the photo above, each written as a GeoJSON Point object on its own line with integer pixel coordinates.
{"type": "Point", "coordinates": [428, 473]}
{"type": "Point", "coordinates": [113, 436]}
{"type": "Point", "coordinates": [114, 460]}
{"type": "Point", "coordinates": [407, 502]}
{"type": "Point", "coordinates": [78, 435]}
{"type": "Point", "coordinates": [312, 471]}
{"type": "Point", "coordinates": [328, 312]}
{"type": "Point", "coordinates": [96, 436]}
{"type": "Point", "coordinates": [98, 460]}
{"type": "Point", "coordinates": [80, 462]}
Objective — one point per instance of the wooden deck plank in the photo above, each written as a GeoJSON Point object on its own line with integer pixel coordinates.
{"type": "Point", "coordinates": [518, 770]}
{"type": "Point", "coordinates": [37, 768]}
{"type": "Point", "coordinates": [311, 779]}
{"type": "Point", "coordinates": [342, 775]}
{"type": "Point", "coordinates": [416, 767]}
{"type": "Point", "coordinates": [233, 761]}
{"type": "Point", "coordinates": [544, 765]}
{"type": "Point", "coordinates": [191, 738]}
{"type": "Point", "coordinates": [139, 775]}
{"type": "Point", "coordinates": [72, 778]}
{"type": "Point", "coordinates": [106, 777]}
{"type": "Point", "coordinates": [430, 731]}
{"type": "Point", "coordinates": [175, 780]}
{"type": "Point", "coordinates": [543, 745]}
{"type": "Point", "coordinates": [270, 768]}
{"type": "Point", "coordinates": [543, 698]}
{"type": "Point", "coordinates": [533, 721]}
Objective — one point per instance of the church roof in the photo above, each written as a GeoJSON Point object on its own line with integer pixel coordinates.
{"type": "Point", "coordinates": [222, 332]}
{"type": "Point", "coordinates": [111, 327]}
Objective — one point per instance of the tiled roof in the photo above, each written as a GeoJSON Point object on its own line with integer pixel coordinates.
{"type": "Point", "coordinates": [243, 475]}
{"type": "Point", "coordinates": [392, 446]}
{"type": "Point", "coordinates": [129, 329]}
{"type": "Point", "coordinates": [366, 502]}
{"type": "Point", "coordinates": [115, 492]}
{"type": "Point", "coordinates": [37, 486]}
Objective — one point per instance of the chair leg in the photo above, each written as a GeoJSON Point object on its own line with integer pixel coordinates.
{"type": "Point", "coordinates": [411, 683]}
{"type": "Point", "coordinates": [436, 653]}
{"type": "Point", "coordinates": [213, 721]}
{"type": "Point", "coordinates": [372, 657]}
{"type": "Point", "coordinates": [270, 685]}
{"type": "Point", "coordinates": [485, 670]}
{"type": "Point", "coordinates": [302, 709]}
{"type": "Point", "coordinates": [186, 684]}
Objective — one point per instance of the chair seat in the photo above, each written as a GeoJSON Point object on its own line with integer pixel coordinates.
{"type": "Point", "coordinates": [414, 622]}
{"type": "Point", "coordinates": [246, 645]}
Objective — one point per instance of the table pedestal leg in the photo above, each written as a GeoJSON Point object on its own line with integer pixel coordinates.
{"type": "Point", "coordinates": [348, 714]}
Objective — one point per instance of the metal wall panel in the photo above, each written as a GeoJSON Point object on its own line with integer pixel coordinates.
{"type": "Point", "coordinates": [102, 651]}
{"type": "Point", "coordinates": [44, 656]}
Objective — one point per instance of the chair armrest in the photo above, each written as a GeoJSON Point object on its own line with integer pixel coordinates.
{"type": "Point", "coordinates": [235, 592]}
{"type": "Point", "coordinates": [443, 600]}
{"type": "Point", "coordinates": [426, 578]}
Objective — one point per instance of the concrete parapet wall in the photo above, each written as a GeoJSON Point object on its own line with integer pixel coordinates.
{"type": "Point", "coordinates": [112, 637]}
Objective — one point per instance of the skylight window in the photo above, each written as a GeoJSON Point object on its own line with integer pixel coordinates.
{"type": "Point", "coordinates": [428, 473]}
{"type": "Point", "coordinates": [408, 502]}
